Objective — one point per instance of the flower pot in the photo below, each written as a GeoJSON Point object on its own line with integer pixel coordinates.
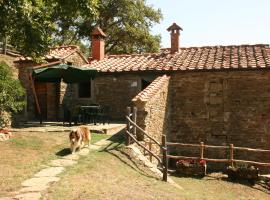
{"type": "Point", "coordinates": [191, 168]}
{"type": "Point", "coordinates": [243, 173]}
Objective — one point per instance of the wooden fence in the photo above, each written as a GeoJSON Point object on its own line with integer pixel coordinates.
{"type": "Point", "coordinates": [131, 133]}
{"type": "Point", "coordinates": [133, 128]}
{"type": "Point", "coordinates": [8, 49]}
{"type": "Point", "coordinates": [231, 148]}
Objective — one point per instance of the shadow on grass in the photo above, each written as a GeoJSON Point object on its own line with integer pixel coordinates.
{"type": "Point", "coordinates": [117, 149]}
{"type": "Point", "coordinates": [178, 175]}
{"type": "Point", "coordinates": [250, 183]}
{"type": "Point", "coordinates": [263, 187]}
{"type": "Point", "coordinates": [63, 152]}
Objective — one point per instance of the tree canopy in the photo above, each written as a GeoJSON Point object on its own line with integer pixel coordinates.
{"type": "Point", "coordinates": [33, 26]}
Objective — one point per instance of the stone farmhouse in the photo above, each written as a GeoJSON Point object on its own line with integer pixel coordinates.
{"type": "Point", "coordinates": [50, 95]}
{"type": "Point", "coordinates": [216, 94]}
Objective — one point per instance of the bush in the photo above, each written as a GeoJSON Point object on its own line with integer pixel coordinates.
{"type": "Point", "coordinates": [11, 93]}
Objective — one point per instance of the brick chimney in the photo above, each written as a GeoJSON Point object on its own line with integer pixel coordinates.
{"type": "Point", "coordinates": [175, 34]}
{"type": "Point", "coordinates": [98, 44]}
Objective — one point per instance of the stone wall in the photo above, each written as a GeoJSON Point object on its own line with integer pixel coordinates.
{"type": "Point", "coordinates": [116, 93]}
{"type": "Point", "coordinates": [76, 59]}
{"type": "Point", "coordinates": [152, 114]}
{"type": "Point", "coordinates": [220, 108]}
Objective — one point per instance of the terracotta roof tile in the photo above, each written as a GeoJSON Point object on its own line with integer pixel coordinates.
{"type": "Point", "coordinates": [192, 58]}
{"type": "Point", "coordinates": [152, 89]}
{"type": "Point", "coordinates": [60, 52]}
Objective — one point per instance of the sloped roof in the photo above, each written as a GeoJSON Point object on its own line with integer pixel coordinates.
{"type": "Point", "coordinates": [151, 89]}
{"type": "Point", "coordinates": [60, 52]}
{"type": "Point", "coordinates": [191, 58]}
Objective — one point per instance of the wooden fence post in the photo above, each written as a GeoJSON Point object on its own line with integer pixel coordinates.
{"type": "Point", "coordinates": [201, 150]}
{"type": "Point", "coordinates": [164, 160]}
{"type": "Point", "coordinates": [134, 119]}
{"type": "Point", "coordinates": [231, 154]}
{"type": "Point", "coordinates": [150, 148]}
{"type": "Point", "coordinates": [128, 127]}
{"type": "Point", "coordinates": [5, 45]}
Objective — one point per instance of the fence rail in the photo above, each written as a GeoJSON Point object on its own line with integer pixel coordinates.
{"type": "Point", "coordinates": [231, 147]}
{"type": "Point", "coordinates": [131, 133]}
{"type": "Point", "coordinates": [8, 49]}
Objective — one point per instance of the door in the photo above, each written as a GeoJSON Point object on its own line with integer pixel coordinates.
{"type": "Point", "coordinates": [41, 91]}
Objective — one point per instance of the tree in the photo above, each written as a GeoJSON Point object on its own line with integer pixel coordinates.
{"type": "Point", "coordinates": [11, 92]}
{"type": "Point", "coordinates": [27, 24]}
{"type": "Point", "coordinates": [127, 24]}
{"type": "Point", "coordinates": [35, 25]}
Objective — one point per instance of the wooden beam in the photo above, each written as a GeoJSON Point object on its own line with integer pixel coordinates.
{"type": "Point", "coordinates": [254, 150]}
{"type": "Point", "coordinates": [46, 65]}
{"type": "Point", "coordinates": [128, 128]}
{"type": "Point", "coordinates": [32, 84]}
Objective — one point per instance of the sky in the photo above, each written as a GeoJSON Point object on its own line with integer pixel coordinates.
{"type": "Point", "coordinates": [215, 22]}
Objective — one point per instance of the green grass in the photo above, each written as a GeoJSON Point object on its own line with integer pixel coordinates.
{"type": "Point", "coordinates": [109, 175]}
{"type": "Point", "coordinates": [31, 142]}
{"type": "Point", "coordinates": [96, 137]}
{"type": "Point", "coordinates": [216, 188]}
{"type": "Point", "coordinates": [105, 174]}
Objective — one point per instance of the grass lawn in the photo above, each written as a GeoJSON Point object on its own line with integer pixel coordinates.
{"type": "Point", "coordinates": [213, 188]}
{"type": "Point", "coordinates": [110, 174]}
{"type": "Point", "coordinates": [104, 174]}
{"type": "Point", "coordinates": [28, 152]}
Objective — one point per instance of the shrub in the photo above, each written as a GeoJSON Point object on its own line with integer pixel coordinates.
{"type": "Point", "coordinates": [11, 93]}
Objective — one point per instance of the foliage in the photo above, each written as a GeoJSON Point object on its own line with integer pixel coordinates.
{"type": "Point", "coordinates": [27, 24]}
{"type": "Point", "coordinates": [127, 24]}
{"type": "Point", "coordinates": [11, 91]}
{"type": "Point", "coordinates": [34, 25]}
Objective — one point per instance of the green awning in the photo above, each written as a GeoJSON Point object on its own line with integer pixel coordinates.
{"type": "Point", "coordinates": [69, 74]}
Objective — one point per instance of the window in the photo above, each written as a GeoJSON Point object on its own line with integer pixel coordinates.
{"type": "Point", "coordinates": [84, 89]}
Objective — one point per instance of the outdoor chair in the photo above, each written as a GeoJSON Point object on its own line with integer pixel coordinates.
{"type": "Point", "coordinates": [67, 115]}
{"type": "Point", "coordinates": [103, 114]}
{"type": "Point", "coordinates": [90, 113]}
{"type": "Point", "coordinates": [72, 115]}
{"type": "Point", "coordinates": [76, 115]}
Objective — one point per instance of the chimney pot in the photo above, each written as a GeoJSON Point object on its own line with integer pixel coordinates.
{"type": "Point", "coordinates": [98, 44]}
{"type": "Point", "coordinates": [175, 37]}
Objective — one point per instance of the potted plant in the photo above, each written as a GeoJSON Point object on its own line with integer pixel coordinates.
{"type": "Point", "coordinates": [243, 172]}
{"type": "Point", "coordinates": [191, 167]}
{"type": "Point", "coordinates": [4, 134]}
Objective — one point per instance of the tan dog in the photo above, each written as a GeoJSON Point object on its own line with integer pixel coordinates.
{"type": "Point", "coordinates": [79, 137]}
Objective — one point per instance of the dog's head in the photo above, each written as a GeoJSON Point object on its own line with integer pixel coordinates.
{"type": "Point", "coordinates": [73, 136]}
